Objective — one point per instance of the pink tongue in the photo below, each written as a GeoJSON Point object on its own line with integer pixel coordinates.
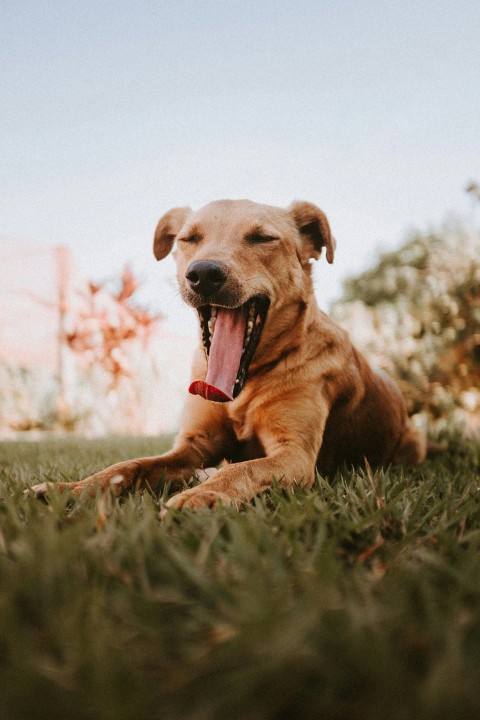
{"type": "Point", "coordinates": [224, 357]}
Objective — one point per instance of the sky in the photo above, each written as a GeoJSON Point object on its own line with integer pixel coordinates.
{"type": "Point", "coordinates": [113, 112]}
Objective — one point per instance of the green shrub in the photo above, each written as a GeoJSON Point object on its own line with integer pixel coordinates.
{"type": "Point", "coordinates": [416, 314]}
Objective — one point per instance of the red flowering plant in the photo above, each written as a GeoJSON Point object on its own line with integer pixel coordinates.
{"type": "Point", "coordinates": [106, 323]}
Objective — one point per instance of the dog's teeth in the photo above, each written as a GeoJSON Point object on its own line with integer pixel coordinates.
{"type": "Point", "coordinates": [211, 326]}
{"type": "Point", "coordinates": [249, 328]}
{"type": "Point", "coordinates": [213, 313]}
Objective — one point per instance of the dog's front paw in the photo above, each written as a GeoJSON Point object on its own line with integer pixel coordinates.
{"type": "Point", "coordinates": [103, 480]}
{"type": "Point", "coordinates": [39, 491]}
{"type": "Point", "coordinates": [199, 497]}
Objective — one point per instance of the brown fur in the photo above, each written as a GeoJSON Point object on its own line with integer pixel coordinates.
{"type": "Point", "coordinates": [310, 401]}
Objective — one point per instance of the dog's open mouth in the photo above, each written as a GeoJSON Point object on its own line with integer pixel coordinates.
{"type": "Point", "coordinates": [230, 337]}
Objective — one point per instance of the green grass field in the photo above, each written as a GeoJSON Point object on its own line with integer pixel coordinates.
{"type": "Point", "coordinates": [359, 599]}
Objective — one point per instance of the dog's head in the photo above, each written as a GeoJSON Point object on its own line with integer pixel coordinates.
{"type": "Point", "coordinates": [245, 267]}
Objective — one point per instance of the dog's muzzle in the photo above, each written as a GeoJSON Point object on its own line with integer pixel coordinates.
{"type": "Point", "coordinates": [206, 277]}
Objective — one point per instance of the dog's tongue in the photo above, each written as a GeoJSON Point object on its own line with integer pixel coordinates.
{"type": "Point", "coordinates": [224, 356]}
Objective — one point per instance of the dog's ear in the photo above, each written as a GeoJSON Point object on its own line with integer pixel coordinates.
{"type": "Point", "coordinates": [314, 229]}
{"type": "Point", "coordinates": [168, 228]}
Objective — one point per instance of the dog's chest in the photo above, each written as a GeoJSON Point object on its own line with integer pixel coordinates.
{"type": "Point", "coordinates": [242, 421]}
{"type": "Point", "coordinates": [249, 446]}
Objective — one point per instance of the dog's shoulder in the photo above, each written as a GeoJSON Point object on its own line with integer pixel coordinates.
{"type": "Point", "coordinates": [324, 339]}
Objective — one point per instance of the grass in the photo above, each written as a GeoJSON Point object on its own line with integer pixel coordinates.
{"type": "Point", "coordinates": [359, 599]}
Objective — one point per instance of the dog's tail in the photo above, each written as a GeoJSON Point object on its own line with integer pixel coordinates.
{"type": "Point", "coordinates": [413, 448]}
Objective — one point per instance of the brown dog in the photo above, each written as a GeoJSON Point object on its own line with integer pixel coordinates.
{"type": "Point", "coordinates": [277, 388]}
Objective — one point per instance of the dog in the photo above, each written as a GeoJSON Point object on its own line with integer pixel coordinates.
{"type": "Point", "coordinates": [278, 390]}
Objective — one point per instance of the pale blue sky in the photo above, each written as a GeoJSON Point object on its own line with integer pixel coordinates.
{"type": "Point", "coordinates": [112, 112]}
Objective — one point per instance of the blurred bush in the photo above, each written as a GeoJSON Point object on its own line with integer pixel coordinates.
{"type": "Point", "coordinates": [28, 398]}
{"type": "Point", "coordinates": [117, 371]}
{"type": "Point", "coordinates": [416, 315]}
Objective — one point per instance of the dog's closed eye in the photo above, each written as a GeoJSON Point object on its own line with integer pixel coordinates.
{"type": "Point", "coordinates": [193, 239]}
{"type": "Point", "coordinates": [258, 238]}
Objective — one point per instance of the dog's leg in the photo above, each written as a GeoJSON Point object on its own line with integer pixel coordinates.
{"type": "Point", "coordinates": [203, 442]}
{"type": "Point", "coordinates": [242, 481]}
{"type": "Point", "coordinates": [175, 465]}
{"type": "Point", "coordinates": [290, 459]}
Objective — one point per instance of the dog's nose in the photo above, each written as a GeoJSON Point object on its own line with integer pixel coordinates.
{"type": "Point", "coordinates": [205, 276]}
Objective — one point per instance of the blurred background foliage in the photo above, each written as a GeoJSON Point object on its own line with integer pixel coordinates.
{"type": "Point", "coordinates": [416, 315]}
